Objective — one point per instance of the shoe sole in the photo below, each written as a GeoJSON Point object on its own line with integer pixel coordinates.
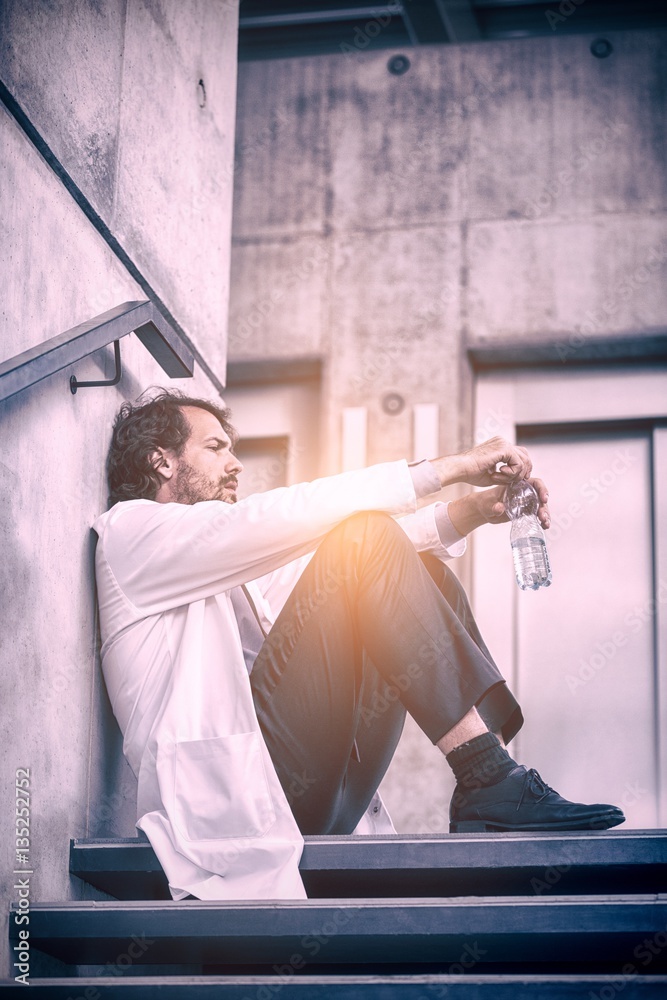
{"type": "Point", "coordinates": [603, 822]}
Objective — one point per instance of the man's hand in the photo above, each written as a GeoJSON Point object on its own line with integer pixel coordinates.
{"type": "Point", "coordinates": [486, 507]}
{"type": "Point", "coordinates": [489, 464]}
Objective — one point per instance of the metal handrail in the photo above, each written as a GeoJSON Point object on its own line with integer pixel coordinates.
{"type": "Point", "coordinates": [142, 318]}
{"type": "Point", "coordinates": [162, 311]}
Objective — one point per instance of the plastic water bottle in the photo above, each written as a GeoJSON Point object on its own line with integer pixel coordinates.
{"type": "Point", "coordinates": [529, 548]}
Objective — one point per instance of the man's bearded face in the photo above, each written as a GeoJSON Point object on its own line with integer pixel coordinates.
{"type": "Point", "coordinates": [191, 486]}
{"type": "Point", "coordinates": [207, 468]}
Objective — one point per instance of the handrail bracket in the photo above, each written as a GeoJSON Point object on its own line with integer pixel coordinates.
{"type": "Point", "coordinates": [74, 384]}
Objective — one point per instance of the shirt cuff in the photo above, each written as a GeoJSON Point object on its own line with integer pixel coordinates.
{"type": "Point", "coordinates": [431, 530]}
{"type": "Point", "coordinates": [424, 478]}
{"type": "Point", "coordinates": [450, 538]}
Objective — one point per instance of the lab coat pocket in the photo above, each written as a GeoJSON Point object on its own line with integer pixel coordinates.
{"type": "Point", "coordinates": [220, 788]}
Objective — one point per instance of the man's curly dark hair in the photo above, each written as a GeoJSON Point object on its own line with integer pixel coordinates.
{"type": "Point", "coordinates": [140, 429]}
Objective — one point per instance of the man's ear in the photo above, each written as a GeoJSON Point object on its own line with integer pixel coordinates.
{"type": "Point", "coordinates": [164, 463]}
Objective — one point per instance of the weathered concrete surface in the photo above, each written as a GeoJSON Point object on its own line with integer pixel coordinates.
{"type": "Point", "coordinates": [544, 167]}
{"type": "Point", "coordinates": [281, 182]}
{"type": "Point", "coordinates": [68, 80]}
{"type": "Point", "coordinates": [511, 191]}
{"type": "Point", "coordinates": [394, 312]}
{"type": "Point", "coordinates": [63, 62]}
{"type": "Point", "coordinates": [603, 276]}
{"type": "Point", "coordinates": [149, 147]}
{"type": "Point", "coordinates": [398, 143]}
{"type": "Point", "coordinates": [174, 187]}
{"type": "Point", "coordinates": [45, 248]}
{"type": "Point", "coordinates": [287, 303]}
{"type": "Point", "coordinates": [550, 110]}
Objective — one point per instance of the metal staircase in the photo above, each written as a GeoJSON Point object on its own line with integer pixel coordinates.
{"type": "Point", "coordinates": [467, 917]}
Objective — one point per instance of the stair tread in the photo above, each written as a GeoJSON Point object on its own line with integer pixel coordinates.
{"type": "Point", "coordinates": [478, 849]}
{"type": "Point", "coordinates": [422, 979]}
{"type": "Point", "coordinates": [348, 987]}
{"type": "Point", "coordinates": [352, 931]}
{"type": "Point", "coordinates": [396, 865]}
{"type": "Point", "coordinates": [379, 903]}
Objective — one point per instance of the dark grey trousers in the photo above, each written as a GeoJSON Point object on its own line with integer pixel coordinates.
{"type": "Point", "coordinates": [370, 630]}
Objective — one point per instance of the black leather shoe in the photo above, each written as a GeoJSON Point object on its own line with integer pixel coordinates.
{"type": "Point", "coordinates": [523, 801]}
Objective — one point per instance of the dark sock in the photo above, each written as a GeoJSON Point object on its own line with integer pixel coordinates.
{"type": "Point", "coordinates": [480, 762]}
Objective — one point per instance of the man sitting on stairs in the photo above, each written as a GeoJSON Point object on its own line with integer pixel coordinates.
{"type": "Point", "coordinates": [260, 655]}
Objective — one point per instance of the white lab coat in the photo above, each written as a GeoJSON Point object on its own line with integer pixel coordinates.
{"type": "Point", "coordinates": [209, 799]}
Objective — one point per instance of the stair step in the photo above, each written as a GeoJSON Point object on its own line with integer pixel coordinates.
{"type": "Point", "coordinates": [601, 933]}
{"type": "Point", "coordinates": [416, 987]}
{"type": "Point", "coordinates": [632, 861]}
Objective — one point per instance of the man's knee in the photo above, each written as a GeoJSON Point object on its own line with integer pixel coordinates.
{"type": "Point", "coordinates": [370, 522]}
{"type": "Point", "coordinates": [363, 538]}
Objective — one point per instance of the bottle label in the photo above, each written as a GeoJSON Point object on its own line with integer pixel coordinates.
{"type": "Point", "coordinates": [531, 563]}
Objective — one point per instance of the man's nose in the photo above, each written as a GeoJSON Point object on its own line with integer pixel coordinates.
{"type": "Point", "coordinates": [235, 465]}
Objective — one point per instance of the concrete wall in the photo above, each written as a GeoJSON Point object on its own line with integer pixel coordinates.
{"type": "Point", "coordinates": [494, 192]}
{"type": "Point", "coordinates": [114, 90]}
{"type": "Point", "coordinates": [136, 98]}
{"type": "Point", "coordinates": [505, 192]}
